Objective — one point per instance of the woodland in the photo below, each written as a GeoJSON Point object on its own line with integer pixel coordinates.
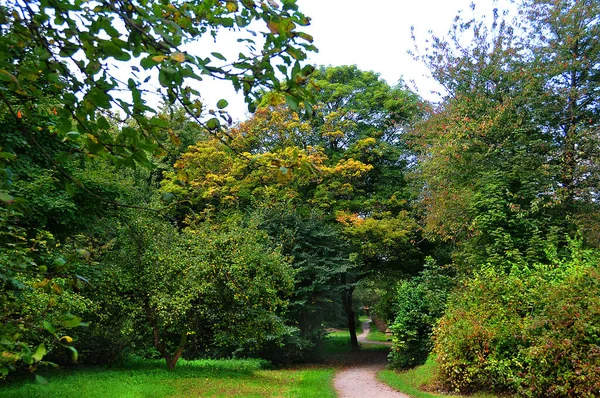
{"type": "Point", "coordinates": [469, 226]}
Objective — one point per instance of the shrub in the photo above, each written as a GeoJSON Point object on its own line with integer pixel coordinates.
{"type": "Point", "coordinates": [532, 330]}
{"type": "Point", "coordinates": [420, 303]}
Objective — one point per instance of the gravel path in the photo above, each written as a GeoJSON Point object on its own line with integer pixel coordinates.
{"type": "Point", "coordinates": [360, 381]}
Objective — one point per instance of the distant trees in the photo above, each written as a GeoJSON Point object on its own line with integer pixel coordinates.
{"type": "Point", "coordinates": [347, 162]}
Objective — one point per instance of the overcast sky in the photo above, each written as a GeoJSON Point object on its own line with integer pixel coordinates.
{"type": "Point", "coordinates": [372, 35]}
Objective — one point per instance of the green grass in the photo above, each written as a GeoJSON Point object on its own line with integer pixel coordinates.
{"type": "Point", "coordinates": [411, 381]}
{"type": "Point", "coordinates": [339, 342]}
{"type": "Point", "coordinates": [206, 378]}
{"type": "Point", "coordinates": [376, 335]}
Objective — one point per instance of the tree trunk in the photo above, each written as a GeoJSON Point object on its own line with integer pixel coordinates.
{"type": "Point", "coordinates": [159, 342]}
{"type": "Point", "coordinates": [347, 302]}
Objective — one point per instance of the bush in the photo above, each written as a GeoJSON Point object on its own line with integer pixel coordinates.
{"type": "Point", "coordinates": [534, 330]}
{"type": "Point", "coordinates": [420, 303]}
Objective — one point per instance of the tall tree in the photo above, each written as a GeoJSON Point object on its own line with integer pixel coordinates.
{"type": "Point", "coordinates": [359, 117]}
{"type": "Point", "coordinates": [497, 155]}
{"type": "Point", "coordinates": [564, 56]}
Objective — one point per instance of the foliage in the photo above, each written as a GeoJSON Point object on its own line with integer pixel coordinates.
{"type": "Point", "coordinates": [211, 285]}
{"type": "Point", "coordinates": [532, 329]}
{"type": "Point", "coordinates": [38, 278]}
{"type": "Point", "coordinates": [420, 302]}
{"type": "Point", "coordinates": [498, 167]}
{"type": "Point", "coordinates": [419, 381]}
{"type": "Point", "coordinates": [345, 162]}
{"type": "Point", "coordinates": [319, 256]}
{"type": "Point", "coordinates": [77, 48]}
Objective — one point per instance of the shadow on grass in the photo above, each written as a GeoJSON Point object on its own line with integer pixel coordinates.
{"type": "Point", "coordinates": [337, 351]}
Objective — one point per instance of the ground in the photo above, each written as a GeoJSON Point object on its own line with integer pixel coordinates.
{"type": "Point", "coordinates": [358, 379]}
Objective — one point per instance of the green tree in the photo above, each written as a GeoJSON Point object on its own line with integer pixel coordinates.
{"type": "Point", "coordinates": [348, 162]}
{"type": "Point", "coordinates": [64, 105]}
{"type": "Point", "coordinates": [77, 47]}
{"type": "Point", "coordinates": [319, 256]}
{"type": "Point", "coordinates": [564, 60]}
{"type": "Point", "coordinates": [360, 118]}
{"type": "Point", "coordinates": [206, 286]}
{"type": "Point", "coordinates": [493, 169]}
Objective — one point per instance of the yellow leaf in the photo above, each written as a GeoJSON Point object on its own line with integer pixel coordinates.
{"type": "Point", "coordinates": [232, 6]}
{"type": "Point", "coordinates": [67, 339]}
{"type": "Point", "coordinates": [92, 138]}
{"type": "Point", "coordinates": [273, 27]}
{"type": "Point", "coordinates": [177, 56]}
{"type": "Point", "coordinates": [159, 58]}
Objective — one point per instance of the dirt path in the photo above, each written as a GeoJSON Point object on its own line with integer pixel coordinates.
{"type": "Point", "coordinates": [360, 381]}
{"type": "Point", "coordinates": [362, 338]}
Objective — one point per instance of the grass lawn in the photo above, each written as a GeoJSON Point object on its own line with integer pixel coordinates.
{"type": "Point", "coordinates": [376, 335]}
{"type": "Point", "coordinates": [339, 342]}
{"type": "Point", "coordinates": [203, 378]}
{"type": "Point", "coordinates": [410, 381]}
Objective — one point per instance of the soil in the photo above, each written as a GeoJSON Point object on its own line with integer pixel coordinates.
{"type": "Point", "coordinates": [358, 378]}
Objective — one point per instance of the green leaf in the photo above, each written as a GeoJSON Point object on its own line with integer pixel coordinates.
{"type": "Point", "coordinates": [7, 155]}
{"type": "Point", "coordinates": [6, 198]}
{"type": "Point", "coordinates": [39, 352]}
{"type": "Point", "coordinates": [141, 158]}
{"type": "Point", "coordinates": [41, 380]}
{"type": "Point", "coordinates": [111, 49]}
{"type": "Point", "coordinates": [71, 189]}
{"type": "Point", "coordinates": [59, 261]}
{"type": "Point", "coordinates": [292, 102]}
{"type": "Point", "coordinates": [74, 353]}
{"type": "Point", "coordinates": [148, 62]}
{"type": "Point", "coordinates": [71, 321]}
{"type": "Point", "coordinates": [160, 122]}
{"type": "Point", "coordinates": [219, 56]}
{"type": "Point", "coordinates": [103, 124]}
{"type": "Point", "coordinates": [222, 104]}
{"type": "Point", "coordinates": [167, 197]}
{"type": "Point", "coordinates": [48, 326]}
{"type": "Point", "coordinates": [99, 98]}
{"type": "Point", "coordinates": [213, 124]}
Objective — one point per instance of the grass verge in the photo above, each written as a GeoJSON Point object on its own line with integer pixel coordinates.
{"type": "Point", "coordinates": [410, 382]}
{"type": "Point", "coordinates": [206, 378]}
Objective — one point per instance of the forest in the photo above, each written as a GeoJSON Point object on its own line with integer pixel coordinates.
{"type": "Point", "coordinates": [133, 232]}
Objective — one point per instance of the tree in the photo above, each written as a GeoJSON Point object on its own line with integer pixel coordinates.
{"type": "Point", "coordinates": [348, 162]}
{"type": "Point", "coordinates": [506, 163]}
{"type": "Point", "coordinates": [76, 46]}
{"type": "Point", "coordinates": [493, 168]}
{"type": "Point", "coordinates": [319, 257]}
{"type": "Point", "coordinates": [360, 118]}
{"type": "Point", "coordinates": [564, 56]}
{"type": "Point", "coordinates": [208, 285]}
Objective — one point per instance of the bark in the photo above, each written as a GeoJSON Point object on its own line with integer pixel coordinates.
{"type": "Point", "coordinates": [159, 342]}
{"type": "Point", "coordinates": [347, 303]}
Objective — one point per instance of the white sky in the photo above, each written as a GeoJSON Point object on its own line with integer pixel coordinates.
{"type": "Point", "coordinates": [374, 36]}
